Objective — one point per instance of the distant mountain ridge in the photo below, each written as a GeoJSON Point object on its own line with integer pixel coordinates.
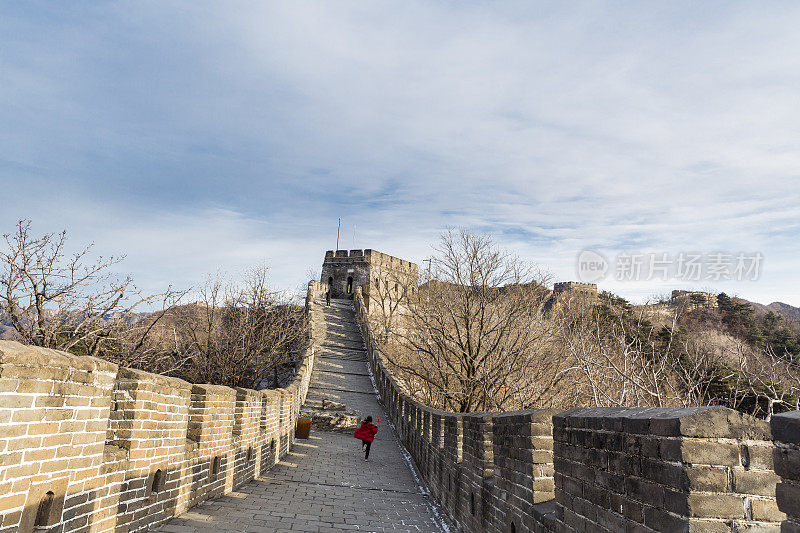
{"type": "Point", "coordinates": [785, 310]}
{"type": "Point", "coordinates": [789, 312]}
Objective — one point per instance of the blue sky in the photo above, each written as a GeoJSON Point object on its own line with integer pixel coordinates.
{"type": "Point", "coordinates": [198, 137]}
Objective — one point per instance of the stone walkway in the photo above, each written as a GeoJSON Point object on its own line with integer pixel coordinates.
{"type": "Point", "coordinates": [323, 484]}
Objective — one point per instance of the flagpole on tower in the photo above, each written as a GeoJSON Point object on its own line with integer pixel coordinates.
{"type": "Point", "coordinates": [337, 232]}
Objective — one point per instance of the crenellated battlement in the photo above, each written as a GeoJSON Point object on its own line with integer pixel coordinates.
{"type": "Point", "coordinates": [563, 286]}
{"type": "Point", "coordinates": [344, 271]}
{"type": "Point", "coordinates": [109, 448]}
{"type": "Point", "coordinates": [366, 256]}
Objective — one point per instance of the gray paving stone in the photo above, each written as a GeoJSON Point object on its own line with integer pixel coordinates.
{"type": "Point", "coordinates": [323, 485]}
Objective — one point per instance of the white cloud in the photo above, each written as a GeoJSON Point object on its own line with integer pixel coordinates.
{"type": "Point", "coordinates": [217, 135]}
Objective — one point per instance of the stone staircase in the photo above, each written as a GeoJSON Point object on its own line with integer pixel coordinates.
{"type": "Point", "coordinates": [340, 372]}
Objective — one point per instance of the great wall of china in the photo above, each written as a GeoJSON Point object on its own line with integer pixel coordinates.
{"type": "Point", "coordinates": [703, 469]}
{"type": "Point", "coordinates": [88, 446]}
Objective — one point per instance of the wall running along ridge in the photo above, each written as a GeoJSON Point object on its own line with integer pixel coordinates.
{"type": "Point", "coordinates": [699, 470]}
{"type": "Point", "coordinates": [86, 445]}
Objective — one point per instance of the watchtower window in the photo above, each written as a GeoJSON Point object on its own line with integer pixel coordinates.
{"type": "Point", "coordinates": [330, 282]}
{"type": "Point", "coordinates": [349, 285]}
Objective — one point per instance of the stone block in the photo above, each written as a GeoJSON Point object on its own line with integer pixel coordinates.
{"type": "Point", "coordinates": [786, 427]}
{"type": "Point", "coordinates": [709, 422]}
{"type": "Point", "coordinates": [706, 479]}
{"type": "Point", "coordinates": [756, 482]}
{"type": "Point", "coordinates": [706, 452]}
{"type": "Point", "coordinates": [787, 462]}
{"type": "Point", "coordinates": [716, 505]}
{"type": "Point", "coordinates": [788, 498]}
{"type": "Point", "coordinates": [766, 511]}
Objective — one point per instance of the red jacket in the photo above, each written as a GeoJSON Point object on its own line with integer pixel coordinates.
{"type": "Point", "coordinates": [366, 432]}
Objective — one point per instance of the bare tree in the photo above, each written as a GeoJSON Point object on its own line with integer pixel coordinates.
{"type": "Point", "coordinates": [239, 334]}
{"type": "Point", "coordinates": [70, 301]}
{"type": "Point", "coordinates": [389, 299]}
{"type": "Point", "coordinates": [622, 358]}
{"type": "Point", "coordinates": [699, 368]}
{"type": "Point", "coordinates": [472, 337]}
{"type": "Point", "coordinates": [770, 380]}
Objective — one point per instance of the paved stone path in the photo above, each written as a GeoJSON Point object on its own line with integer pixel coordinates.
{"type": "Point", "coordinates": [323, 484]}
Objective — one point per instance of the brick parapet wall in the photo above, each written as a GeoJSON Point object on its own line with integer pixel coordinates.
{"type": "Point", "coordinates": [523, 463]}
{"type": "Point", "coordinates": [148, 423]}
{"type": "Point", "coordinates": [786, 455]}
{"type": "Point", "coordinates": [477, 471]}
{"type": "Point", "coordinates": [698, 469]}
{"type": "Point", "coordinates": [707, 469]}
{"type": "Point", "coordinates": [125, 450]}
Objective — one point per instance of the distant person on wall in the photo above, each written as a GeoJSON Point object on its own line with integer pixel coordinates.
{"type": "Point", "coordinates": [367, 434]}
{"type": "Point", "coordinates": [328, 298]}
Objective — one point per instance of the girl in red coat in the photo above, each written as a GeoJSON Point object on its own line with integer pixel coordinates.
{"type": "Point", "coordinates": [367, 434]}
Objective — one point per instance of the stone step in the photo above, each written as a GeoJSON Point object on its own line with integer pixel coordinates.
{"type": "Point", "coordinates": [334, 351]}
{"type": "Point", "coordinates": [342, 326]}
{"type": "Point", "coordinates": [342, 339]}
{"type": "Point", "coordinates": [337, 333]}
{"type": "Point", "coordinates": [343, 342]}
{"type": "Point", "coordinates": [343, 354]}
{"type": "Point", "coordinates": [335, 346]}
{"type": "Point", "coordinates": [348, 359]}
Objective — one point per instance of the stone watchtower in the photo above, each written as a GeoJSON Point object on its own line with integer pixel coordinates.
{"type": "Point", "coordinates": [574, 293]}
{"type": "Point", "coordinates": [575, 288]}
{"type": "Point", "coordinates": [371, 270]}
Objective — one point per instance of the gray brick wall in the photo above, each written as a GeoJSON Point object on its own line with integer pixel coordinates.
{"type": "Point", "coordinates": [705, 469]}
{"type": "Point", "coordinates": [786, 454]}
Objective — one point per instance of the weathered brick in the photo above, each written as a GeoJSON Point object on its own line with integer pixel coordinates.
{"type": "Point", "coordinates": [705, 452]}
{"type": "Point", "coordinates": [755, 482]}
{"type": "Point", "coordinates": [788, 498]}
{"type": "Point", "coordinates": [12, 501]}
{"type": "Point", "coordinates": [786, 427]}
{"type": "Point", "coordinates": [707, 479]}
{"type": "Point", "coordinates": [787, 462]}
{"type": "Point", "coordinates": [766, 511]}
{"type": "Point", "coordinates": [716, 505]}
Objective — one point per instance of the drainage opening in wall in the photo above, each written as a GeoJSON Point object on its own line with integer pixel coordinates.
{"type": "Point", "coordinates": [215, 467]}
{"type": "Point", "coordinates": [158, 481]}
{"type": "Point", "coordinates": [44, 514]}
